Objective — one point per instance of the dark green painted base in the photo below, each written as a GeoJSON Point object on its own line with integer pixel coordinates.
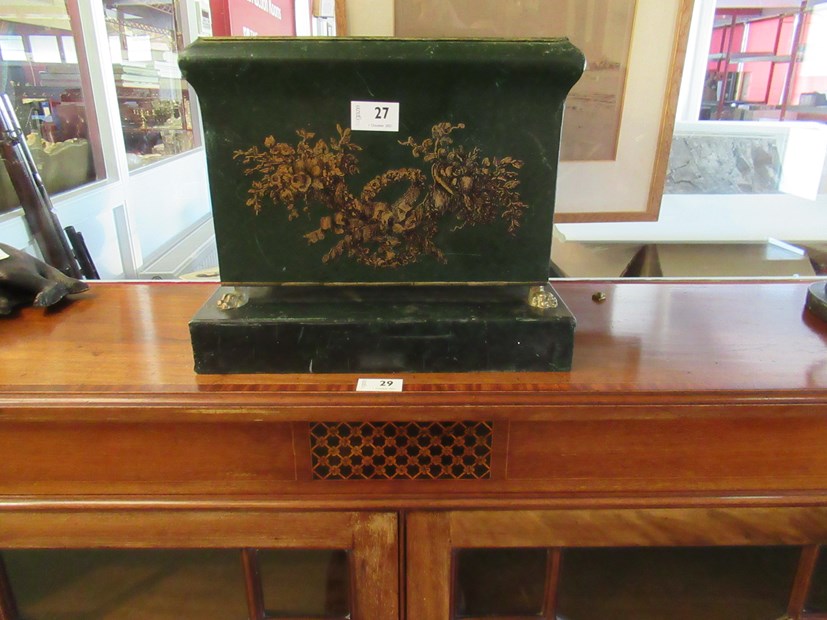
{"type": "Point", "coordinates": [397, 329]}
{"type": "Point", "coordinates": [817, 300]}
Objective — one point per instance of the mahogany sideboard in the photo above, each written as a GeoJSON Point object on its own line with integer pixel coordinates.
{"type": "Point", "coordinates": [694, 414]}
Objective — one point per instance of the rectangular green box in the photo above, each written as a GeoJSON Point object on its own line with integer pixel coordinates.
{"type": "Point", "coordinates": [457, 188]}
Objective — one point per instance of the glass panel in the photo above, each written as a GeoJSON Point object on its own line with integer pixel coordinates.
{"type": "Point", "coordinates": [274, 18]}
{"type": "Point", "coordinates": [767, 63]}
{"type": "Point", "coordinates": [500, 582]}
{"type": "Point", "coordinates": [127, 585]}
{"type": "Point", "coordinates": [153, 99]}
{"type": "Point", "coordinates": [305, 583]}
{"type": "Point", "coordinates": [817, 601]}
{"type": "Point", "coordinates": [283, 18]}
{"type": "Point", "coordinates": [683, 584]}
{"type": "Point", "coordinates": [40, 72]}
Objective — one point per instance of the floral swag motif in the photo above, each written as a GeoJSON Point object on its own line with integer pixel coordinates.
{"type": "Point", "coordinates": [463, 188]}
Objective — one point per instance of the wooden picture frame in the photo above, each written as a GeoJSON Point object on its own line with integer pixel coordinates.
{"type": "Point", "coordinates": [630, 187]}
{"type": "Point", "coordinates": [627, 184]}
{"type": "Point", "coordinates": [341, 18]}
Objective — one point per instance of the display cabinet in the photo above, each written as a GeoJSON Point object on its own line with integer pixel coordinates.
{"type": "Point", "coordinates": [680, 461]}
{"type": "Point", "coordinates": [48, 88]}
{"type": "Point", "coordinates": [620, 563]}
{"type": "Point", "coordinates": [361, 548]}
{"type": "Point", "coordinates": [153, 100]}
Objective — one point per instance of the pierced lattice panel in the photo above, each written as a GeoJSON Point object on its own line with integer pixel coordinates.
{"type": "Point", "coordinates": [401, 450]}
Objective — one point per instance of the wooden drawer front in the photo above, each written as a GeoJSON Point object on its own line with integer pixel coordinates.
{"type": "Point", "coordinates": [685, 454]}
{"type": "Point", "coordinates": [163, 458]}
{"type": "Point", "coordinates": [401, 450]}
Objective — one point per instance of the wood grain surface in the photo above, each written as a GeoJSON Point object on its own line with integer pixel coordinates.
{"type": "Point", "coordinates": [649, 341]}
{"type": "Point", "coordinates": [694, 414]}
{"type": "Point", "coordinates": [681, 393]}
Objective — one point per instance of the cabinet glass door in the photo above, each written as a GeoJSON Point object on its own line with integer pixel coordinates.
{"type": "Point", "coordinates": [106, 583]}
{"type": "Point", "coordinates": [681, 583]}
{"type": "Point", "coordinates": [497, 583]}
{"type": "Point", "coordinates": [634, 583]}
{"type": "Point", "coordinates": [182, 564]}
{"type": "Point", "coordinates": [170, 584]}
{"type": "Point", "coordinates": [612, 563]}
{"type": "Point", "coordinates": [817, 595]}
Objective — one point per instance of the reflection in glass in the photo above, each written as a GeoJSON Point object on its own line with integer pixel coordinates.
{"type": "Point", "coordinates": [703, 161]}
{"type": "Point", "coordinates": [601, 28]}
{"type": "Point", "coordinates": [500, 582]}
{"type": "Point", "coordinates": [153, 99]}
{"type": "Point", "coordinates": [767, 63]}
{"type": "Point", "coordinates": [305, 583]}
{"type": "Point", "coordinates": [40, 73]}
{"type": "Point", "coordinates": [748, 583]}
{"type": "Point", "coordinates": [127, 585]}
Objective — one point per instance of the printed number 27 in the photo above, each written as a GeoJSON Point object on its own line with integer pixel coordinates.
{"type": "Point", "coordinates": [381, 113]}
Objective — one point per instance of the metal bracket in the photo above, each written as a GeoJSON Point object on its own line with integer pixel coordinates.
{"type": "Point", "coordinates": [541, 297]}
{"type": "Point", "coordinates": [233, 300]}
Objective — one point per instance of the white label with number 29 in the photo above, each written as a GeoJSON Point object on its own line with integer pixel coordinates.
{"type": "Point", "coordinates": [379, 385]}
{"type": "Point", "coordinates": [374, 115]}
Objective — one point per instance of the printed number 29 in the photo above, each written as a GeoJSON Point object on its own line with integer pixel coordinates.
{"type": "Point", "coordinates": [381, 113]}
{"type": "Point", "coordinates": [385, 382]}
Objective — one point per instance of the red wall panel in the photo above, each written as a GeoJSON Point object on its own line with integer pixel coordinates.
{"type": "Point", "coordinates": [238, 18]}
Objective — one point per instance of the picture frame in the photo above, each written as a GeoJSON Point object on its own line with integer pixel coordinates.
{"type": "Point", "coordinates": [630, 187]}
{"type": "Point", "coordinates": [627, 183]}
{"type": "Point", "coordinates": [341, 18]}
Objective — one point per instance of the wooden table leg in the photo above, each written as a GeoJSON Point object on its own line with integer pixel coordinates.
{"type": "Point", "coordinates": [8, 606]}
{"type": "Point", "coordinates": [803, 579]}
{"type": "Point", "coordinates": [555, 558]}
{"type": "Point", "coordinates": [252, 584]}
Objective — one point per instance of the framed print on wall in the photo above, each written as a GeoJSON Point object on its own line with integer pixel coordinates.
{"type": "Point", "coordinates": [619, 118]}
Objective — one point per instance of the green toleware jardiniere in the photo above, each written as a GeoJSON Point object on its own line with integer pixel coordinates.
{"type": "Point", "coordinates": [382, 161]}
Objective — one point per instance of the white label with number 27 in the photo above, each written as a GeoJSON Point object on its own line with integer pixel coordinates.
{"type": "Point", "coordinates": [379, 385]}
{"type": "Point", "coordinates": [374, 115]}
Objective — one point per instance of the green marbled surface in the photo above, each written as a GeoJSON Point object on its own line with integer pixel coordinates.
{"type": "Point", "coordinates": [364, 329]}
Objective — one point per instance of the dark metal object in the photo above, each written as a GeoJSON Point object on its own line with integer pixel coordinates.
{"type": "Point", "coordinates": [87, 265]}
{"type": "Point", "coordinates": [26, 280]}
{"type": "Point", "coordinates": [37, 207]}
{"type": "Point", "coordinates": [817, 300]}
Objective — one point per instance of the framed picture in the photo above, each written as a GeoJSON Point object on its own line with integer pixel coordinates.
{"type": "Point", "coordinates": [619, 118]}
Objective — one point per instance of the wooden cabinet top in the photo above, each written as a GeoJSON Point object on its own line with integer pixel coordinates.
{"type": "Point", "coordinates": [647, 343]}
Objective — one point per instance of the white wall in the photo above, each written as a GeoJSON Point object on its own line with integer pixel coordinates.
{"type": "Point", "coordinates": [715, 218]}
{"type": "Point", "coordinates": [167, 199]}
